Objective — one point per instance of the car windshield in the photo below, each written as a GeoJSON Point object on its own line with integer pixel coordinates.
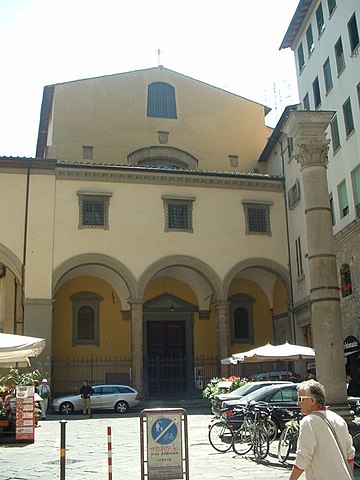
{"type": "Point", "coordinates": [243, 390]}
{"type": "Point", "coordinates": [258, 394]}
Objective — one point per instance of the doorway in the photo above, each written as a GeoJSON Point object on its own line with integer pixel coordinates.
{"type": "Point", "coordinates": [168, 345]}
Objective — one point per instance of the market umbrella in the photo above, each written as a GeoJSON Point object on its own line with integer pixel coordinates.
{"type": "Point", "coordinates": [15, 350]}
{"type": "Point", "coordinates": [271, 353]}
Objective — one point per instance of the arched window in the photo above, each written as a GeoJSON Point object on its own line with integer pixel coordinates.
{"type": "Point", "coordinates": [346, 285]}
{"type": "Point", "coordinates": [86, 323]}
{"type": "Point", "coordinates": [241, 319]}
{"type": "Point", "coordinates": [161, 100]}
{"type": "Point", "coordinates": [86, 318]}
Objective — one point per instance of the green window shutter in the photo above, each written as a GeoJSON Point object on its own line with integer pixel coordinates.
{"type": "Point", "coordinates": [343, 196]}
{"type": "Point", "coordinates": [356, 183]}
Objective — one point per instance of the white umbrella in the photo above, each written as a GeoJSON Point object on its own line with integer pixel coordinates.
{"type": "Point", "coordinates": [272, 353]}
{"type": "Point", "coordinates": [15, 350]}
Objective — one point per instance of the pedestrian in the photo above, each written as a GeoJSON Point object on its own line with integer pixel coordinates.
{"type": "Point", "coordinates": [319, 451]}
{"type": "Point", "coordinates": [36, 386]}
{"type": "Point", "coordinates": [44, 392]}
{"type": "Point", "coordinates": [86, 391]}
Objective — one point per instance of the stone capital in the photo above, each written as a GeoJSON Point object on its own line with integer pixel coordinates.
{"type": "Point", "coordinates": [312, 153]}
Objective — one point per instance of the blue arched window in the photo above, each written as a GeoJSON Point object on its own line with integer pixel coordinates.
{"type": "Point", "coordinates": [161, 100]}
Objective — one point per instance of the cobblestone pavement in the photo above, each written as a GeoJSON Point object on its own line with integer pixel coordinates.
{"type": "Point", "coordinates": [86, 452]}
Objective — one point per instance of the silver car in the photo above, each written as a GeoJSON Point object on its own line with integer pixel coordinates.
{"type": "Point", "coordinates": [105, 397]}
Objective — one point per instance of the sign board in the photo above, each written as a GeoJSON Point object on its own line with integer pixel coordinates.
{"type": "Point", "coordinates": [351, 345]}
{"type": "Point", "coordinates": [25, 414]}
{"type": "Point", "coordinates": [164, 443]}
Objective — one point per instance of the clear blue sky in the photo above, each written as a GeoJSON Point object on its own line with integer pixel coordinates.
{"type": "Point", "coordinates": [232, 44]}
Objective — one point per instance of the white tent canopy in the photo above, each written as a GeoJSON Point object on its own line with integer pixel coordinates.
{"type": "Point", "coordinates": [271, 353]}
{"type": "Point", "coordinates": [15, 350]}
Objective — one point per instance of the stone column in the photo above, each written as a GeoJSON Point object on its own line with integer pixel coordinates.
{"type": "Point", "coordinates": [222, 333]}
{"type": "Point", "coordinates": [137, 355]}
{"type": "Point", "coordinates": [310, 150]}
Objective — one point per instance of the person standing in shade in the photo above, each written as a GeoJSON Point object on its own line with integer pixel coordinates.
{"type": "Point", "coordinates": [319, 454]}
{"type": "Point", "coordinates": [86, 391]}
{"type": "Point", "coordinates": [44, 391]}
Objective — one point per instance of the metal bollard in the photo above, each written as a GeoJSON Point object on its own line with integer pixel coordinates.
{"type": "Point", "coordinates": [62, 448]}
{"type": "Point", "coordinates": [109, 453]}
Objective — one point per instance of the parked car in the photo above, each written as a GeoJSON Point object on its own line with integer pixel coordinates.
{"type": "Point", "coordinates": [218, 402]}
{"type": "Point", "coordinates": [354, 403]}
{"type": "Point", "coordinates": [105, 397]}
{"type": "Point", "coordinates": [275, 375]}
{"type": "Point", "coordinates": [281, 396]}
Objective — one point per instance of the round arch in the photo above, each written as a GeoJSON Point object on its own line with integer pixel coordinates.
{"type": "Point", "coordinates": [11, 261]}
{"type": "Point", "coordinates": [160, 154]}
{"type": "Point", "coordinates": [257, 262]}
{"type": "Point", "coordinates": [198, 266]}
{"type": "Point", "coordinates": [102, 266]}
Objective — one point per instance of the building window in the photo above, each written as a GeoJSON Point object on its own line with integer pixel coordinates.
{"type": "Point", "coordinates": [241, 317]}
{"type": "Point", "coordinates": [86, 318]}
{"type": "Point", "coordinates": [339, 55]}
{"type": "Point", "coordinates": [335, 134]}
{"type": "Point", "coordinates": [316, 92]}
{"type": "Point", "coordinates": [331, 6]}
{"type": "Point", "coordinates": [356, 189]}
{"type": "Point", "coordinates": [161, 101]}
{"type": "Point", "coordinates": [320, 20]}
{"type": "Point", "coordinates": [300, 55]}
{"type": "Point", "coordinates": [327, 75]}
{"type": "Point", "coordinates": [178, 213]}
{"type": "Point", "coordinates": [353, 34]}
{"type": "Point", "coordinates": [343, 199]}
{"type": "Point", "coordinates": [332, 210]}
{"type": "Point", "coordinates": [88, 151]}
{"type": "Point", "coordinates": [345, 277]}
{"type": "Point", "coordinates": [290, 146]}
{"type": "Point", "coordinates": [94, 210]}
{"type": "Point", "coordinates": [299, 264]}
{"type": "Point", "coordinates": [257, 218]}
{"type": "Point", "coordinates": [348, 117]}
{"type": "Point", "coordinates": [310, 40]}
{"type": "Point", "coordinates": [306, 102]}
{"type": "Point", "coordinates": [294, 195]}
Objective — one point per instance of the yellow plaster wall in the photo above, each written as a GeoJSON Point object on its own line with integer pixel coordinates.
{"type": "Point", "coordinates": [279, 298]}
{"type": "Point", "coordinates": [115, 333]}
{"type": "Point", "coordinates": [110, 114]}
{"type": "Point", "coordinates": [263, 327]}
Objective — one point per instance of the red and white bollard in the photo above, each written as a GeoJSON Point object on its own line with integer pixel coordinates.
{"type": "Point", "coordinates": [109, 453]}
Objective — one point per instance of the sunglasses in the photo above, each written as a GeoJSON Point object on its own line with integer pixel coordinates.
{"type": "Point", "coordinates": [302, 398]}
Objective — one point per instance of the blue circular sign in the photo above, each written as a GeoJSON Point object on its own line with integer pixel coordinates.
{"type": "Point", "coordinates": [164, 431]}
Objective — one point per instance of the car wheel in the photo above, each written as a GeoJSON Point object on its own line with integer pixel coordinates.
{"type": "Point", "coordinates": [272, 428]}
{"type": "Point", "coordinates": [66, 408]}
{"type": "Point", "coordinates": [121, 406]}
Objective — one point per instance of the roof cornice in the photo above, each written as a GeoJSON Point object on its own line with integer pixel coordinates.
{"type": "Point", "coordinates": [295, 24]}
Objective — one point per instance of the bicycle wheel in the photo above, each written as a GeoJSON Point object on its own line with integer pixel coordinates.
{"type": "Point", "coordinates": [356, 443]}
{"type": "Point", "coordinates": [284, 446]}
{"type": "Point", "coordinates": [261, 442]}
{"type": "Point", "coordinates": [272, 430]}
{"type": "Point", "coordinates": [220, 437]}
{"type": "Point", "coordinates": [243, 440]}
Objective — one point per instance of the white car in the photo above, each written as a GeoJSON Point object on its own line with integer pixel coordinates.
{"type": "Point", "coordinates": [105, 397]}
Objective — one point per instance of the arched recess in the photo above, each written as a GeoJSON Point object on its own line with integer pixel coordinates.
{"type": "Point", "coordinates": [158, 155]}
{"type": "Point", "coordinates": [194, 272]}
{"type": "Point", "coordinates": [102, 266]}
{"type": "Point", "coordinates": [270, 271]}
{"type": "Point", "coordinates": [11, 261]}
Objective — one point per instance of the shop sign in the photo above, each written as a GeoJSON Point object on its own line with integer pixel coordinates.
{"type": "Point", "coordinates": [25, 415]}
{"type": "Point", "coordinates": [164, 446]}
{"type": "Point", "coordinates": [351, 345]}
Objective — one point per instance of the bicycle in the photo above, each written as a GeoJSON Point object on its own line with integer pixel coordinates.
{"type": "Point", "coordinates": [289, 437]}
{"type": "Point", "coordinates": [253, 433]}
{"type": "Point", "coordinates": [221, 434]}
